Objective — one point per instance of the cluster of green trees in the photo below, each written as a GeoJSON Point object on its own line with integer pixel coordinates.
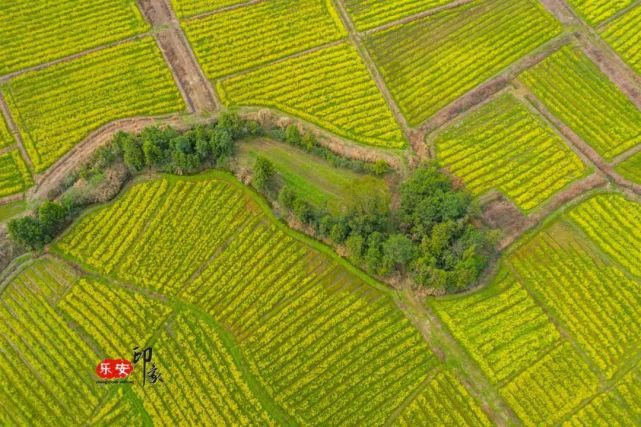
{"type": "Point", "coordinates": [292, 135]}
{"type": "Point", "coordinates": [431, 237]}
{"type": "Point", "coordinates": [183, 152]}
{"type": "Point", "coordinates": [35, 231]}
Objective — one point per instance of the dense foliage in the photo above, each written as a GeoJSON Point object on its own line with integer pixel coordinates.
{"type": "Point", "coordinates": [35, 231]}
{"type": "Point", "coordinates": [432, 237]}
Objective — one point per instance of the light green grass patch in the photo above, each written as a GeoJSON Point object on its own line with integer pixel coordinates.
{"type": "Point", "coordinates": [314, 179]}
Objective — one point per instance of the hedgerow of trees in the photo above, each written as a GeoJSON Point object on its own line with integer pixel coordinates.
{"type": "Point", "coordinates": [431, 238]}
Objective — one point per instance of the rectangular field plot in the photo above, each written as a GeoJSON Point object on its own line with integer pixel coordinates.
{"type": "Point", "coordinates": [624, 36]}
{"type": "Point", "coordinates": [45, 368]}
{"type": "Point", "coordinates": [443, 402]}
{"type": "Point", "coordinates": [429, 63]}
{"type": "Point", "coordinates": [14, 174]}
{"type": "Point", "coordinates": [505, 146]}
{"type": "Point", "coordinates": [612, 222]}
{"type": "Point", "coordinates": [368, 14]}
{"type": "Point", "coordinates": [38, 31]}
{"type": "Point", "coordinates": [574, 89]}
{"type": "Point", "coordinates": [596, 11]}
{"type": "Point", "coordinates": [549, 389]}
{"type": "Point", "coordinates": [203, 385]}
{"type": "Point", "coordinates": [502, 327]}
{"type": "Point", "coordinates": [238, 39]}
{"type": "Point", "coordinates": [330, 87]}
{"type": "Point", "coordinates": [187, 8]}
{"type": "Point", "coordinates": [6, 139]}
{"type": "Point", "coordinates": [55, 108]}
{"type": "Point", "coordinates": [596, 302]}
{"type": "Point", "coordinates": [631, 168]}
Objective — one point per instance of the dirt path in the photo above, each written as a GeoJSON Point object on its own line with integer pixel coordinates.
{"type": "Point", "coordinates": [449, 351]}
{"type": "Point", "coordinates": [194, 86]}
{"type": "Point", "coordinates": [54, 177]}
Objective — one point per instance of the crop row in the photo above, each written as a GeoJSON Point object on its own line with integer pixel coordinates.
{"type": "Point", "coordinates": [330, 87]}
{"type": "Point", "coordinates": [116, 319]}
{"type": "Point", "coordinates": [368, 14]}
{"type": "Point", "coordinates": [597, 11]}
{"type": "Point", "coordinates": [502, 327]}
{"type": "Point", "coordinates": [56, 107]}
{"type": "Point", "coordinates": [193, 220]}
{"type": "Point", "coordinates": [50, 386]}
{"type": "Point", "coordinates": [188, 8]}
{"type": "Point", "coordinates": [118, 410]}
{"type": "Point", "coordinates": [202, 384]}
{"type": "Point", "coordinates": [612, 222]}
{"type": "Point", "coordinates": [595, 301]}
{"type": "Point", "coordinates": [506, 147]}
{"type": "Point", "coordinates": [38, 31]}
{"type": "Point", "coordinates": [624, 36]}
{"type": "Point", "coordinates": [5, 137]}
{"type": "Point", "coordinates": [270, 30]}
{"type": "Point", "coordinates": [577, 92]}
{"type": "Point", "coordinates": [14, 174]}
{"type": "Point", "coordinates": [444, 401]}
{"type": "Point", "coordinates": [429, 63]}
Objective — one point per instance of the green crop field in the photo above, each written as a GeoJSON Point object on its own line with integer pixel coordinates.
{"type": "Point", "coordinates": [505, 146]}
{"type": "Point", "coordinates": [315, 180]}
{"type": "Point", "coordinates": [324, 343]}
{"type": "Point", "coordinates": [596, 11]}
{"type": "Point", "coordinates": [271, 30]}
{"type": "Point", "coordinates": [490, 276]}
{"type": "Point", "coordinates": [14, 174]}
{"type": "Point", "coordinates": [477, 41]}
{"type": "Point", "coordinates": [624, 35]}
{"type": "Point", "coordinates": [574, 90]}
{"type": "Point", "coordinates": [545, 331]}
{"type": "Point", "coordinates": [631, 168]}
{"type": "Point", "coordinates": [37, 31]}
{"type": "Point", "coordinates": [329, 87]}
{"type": "Point", "coordinates": [368, 14]}
{"type": "Point", "coordinates": [58, 106]}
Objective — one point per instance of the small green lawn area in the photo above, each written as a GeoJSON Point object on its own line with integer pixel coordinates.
{"type": "Point", "coordinates": [12, 209]}
{"type": "Point", "coordinates": [312, 178]}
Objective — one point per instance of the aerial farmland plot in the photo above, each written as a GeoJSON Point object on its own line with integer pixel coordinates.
{"type": "Point", "coordinates": [320, 212]}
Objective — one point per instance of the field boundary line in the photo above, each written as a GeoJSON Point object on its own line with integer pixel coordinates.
{"type": "Point", "coordinates": [577, 144]}
{"type": "Point", "coordinates": [626, 155]}
{"type": "Point", "coordinates": [355, 40]}
{"type": "Point", "coordinates": [5, 78]}
{"type": "Point", "coordinates": [617, 15]}
{"type": "Point", "coordinates": [221, 10]}
{"type": "Point", "coordinates": [15, 132]}
{"type": "Point", "coordinates": [417, 16]}
{"type": "Point", "coordinates": [598, 51]}
{"type": "Point", "coordinates": [493, 85]}
{"type": "Point", "coordinates": [413, 395]}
